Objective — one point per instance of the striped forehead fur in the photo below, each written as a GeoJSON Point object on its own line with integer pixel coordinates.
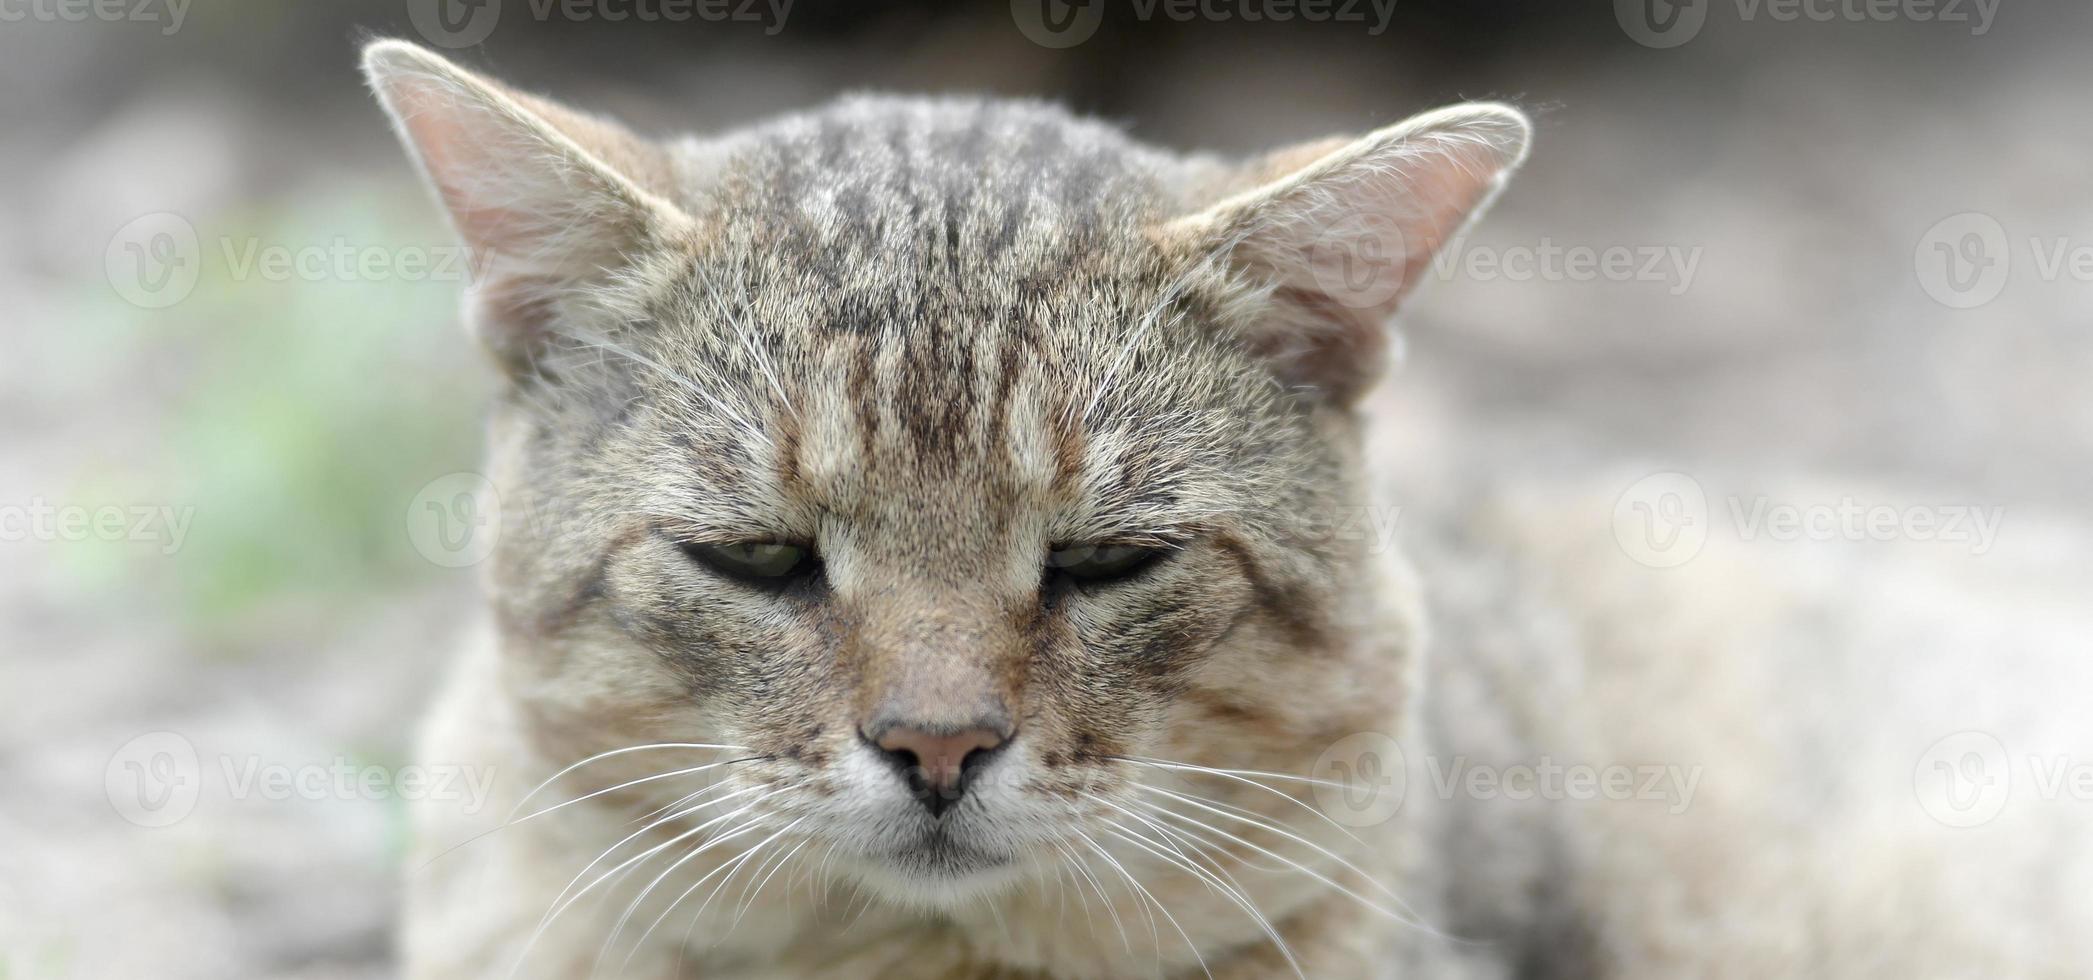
{"type": "Point", "coordinates": [945, 291]}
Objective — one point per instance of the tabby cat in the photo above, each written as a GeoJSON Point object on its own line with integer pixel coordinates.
{"type": "Point", "coordinates": [929, 551]}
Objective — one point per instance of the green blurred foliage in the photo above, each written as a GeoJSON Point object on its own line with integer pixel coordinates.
{"type": "Point", "coordinates": [312, 403]}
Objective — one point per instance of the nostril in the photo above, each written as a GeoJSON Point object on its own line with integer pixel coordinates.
{"type": "Point", "coordinates": [937, 766]}
{"type": "Point", "coordinates": [903, 760]}
{"type": "Point", "coordinates": [975, 760]}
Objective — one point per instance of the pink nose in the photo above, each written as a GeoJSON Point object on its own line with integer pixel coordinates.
{"type": "Point", "coordinates": [938, 764]}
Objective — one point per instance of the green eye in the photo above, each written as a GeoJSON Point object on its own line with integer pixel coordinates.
{"type": "Point", "coordinates": [1100, 562]}
{"type": "Point", "coordinates": [758, 561]}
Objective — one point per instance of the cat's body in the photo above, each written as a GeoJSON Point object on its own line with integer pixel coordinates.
{"type": "Point", "coordinates": [961, 475]}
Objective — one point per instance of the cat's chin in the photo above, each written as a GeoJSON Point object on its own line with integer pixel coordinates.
{"type": "Point", "coordinates": [939, 874]}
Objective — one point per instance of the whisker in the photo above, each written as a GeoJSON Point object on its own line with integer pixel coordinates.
{"type": "Point", "coordinates": [815, 878]}
{"type": "Point", "coordinates": [856, 893]}
{"type": "Point", "coordinates": [1211, 770]}
{"type": "Point", "coordinates": [690, 798]}
{"type": "Point", "coordinates": [617, 752]}
{"type": "Point", "coordinates": [995, 911]}
{"type": "Point", "coordinates": [1083, 868]}
{"type": "Point", "coordinates": [1239, 775]}
{"type": "Point", "coordinates": [1094, 798]}
{"type": "Point", "coordinates": [1210, 847]}
{"type": "Point", "coordinates": [619, 929]}
{"type": "Point", "coordinates": [511, 819]}
{"type": "Point", "coordinates": [1304, 869]}
{"type": "Point", "coordinates": [1412, 919]}
{"type": "Point", "coordinates": [749, 901]}
{"type": "Point", "coordinates": [1189, 944]}
{"type": "Point", "coordinates": [1232, 894]}
{"type": "Point", "coordinates": [743, 860]}
{"type": "Point", "coordinates": [562, 906]}
{"type": "Point", "coordinates": [607, 852]}
{"type": "Point", "coordinates": [1155, 937]}
{"type": "Point", "coordinates": [1169, 835]}
{"type": "Point", "coordinates": [1078, 875]}
{"type": "Point", "coordinates": [728, 867]}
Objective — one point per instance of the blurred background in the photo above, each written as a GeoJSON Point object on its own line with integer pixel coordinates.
{"type": "Point", "coordinates": [1842, 239]}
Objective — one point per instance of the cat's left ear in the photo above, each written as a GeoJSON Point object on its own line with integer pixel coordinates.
{"type": "Point", "coordinates": [1343, 230]}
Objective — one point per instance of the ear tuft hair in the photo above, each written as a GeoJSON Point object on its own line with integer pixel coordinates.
{"type": "Point", "coordinates": [1342, 231]}
{"type": "Point", "coordinates": [545, 197]}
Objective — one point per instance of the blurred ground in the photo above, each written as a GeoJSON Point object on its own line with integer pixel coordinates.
{"type": "Point", "coordinates": [1796, 169]}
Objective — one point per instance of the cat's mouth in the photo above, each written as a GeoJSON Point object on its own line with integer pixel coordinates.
{"type": "Point", "coordinates": [940, 869]}
{"type": "Point", "coordinates": [939, 855]}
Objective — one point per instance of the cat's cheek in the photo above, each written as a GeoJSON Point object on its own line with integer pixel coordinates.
{"type": "Point", "coordinates": [722, 638]}
{"type": "Point", "coordinates": [1124, 658]}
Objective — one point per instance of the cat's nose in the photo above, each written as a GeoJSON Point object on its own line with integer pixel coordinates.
{"type": "Point", "coordinates": [937, 764]}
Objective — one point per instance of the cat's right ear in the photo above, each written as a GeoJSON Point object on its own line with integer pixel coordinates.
{"type": "Point", "coordinates": [1339, 231]}
{"type": "Point", "coordinates": [547, 199]}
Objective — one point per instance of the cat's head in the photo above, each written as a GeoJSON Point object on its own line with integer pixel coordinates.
{"type": "Point", "coordinates": [959, 461]}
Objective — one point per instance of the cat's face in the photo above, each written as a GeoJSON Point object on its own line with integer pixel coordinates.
{"type": "Point", "coordinates": [847, 483]}
{"type": "Point", "coordinates": [958, 464]}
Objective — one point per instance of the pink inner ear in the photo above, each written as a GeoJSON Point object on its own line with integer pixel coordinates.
{"type": "Point", "coordinates": [513, 316]}
{"type": "Point", "coordinates": [1328, 347]}
{"type": "Point", "coordinates": [458, 163]}
{"type": "Point", "coordinates": [483, 160]}
{"type": "Point", "coordinates": [1348, 240]}
{"type": "Point", "coordinates": [486, 229]}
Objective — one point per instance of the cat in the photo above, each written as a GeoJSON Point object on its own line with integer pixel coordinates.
{"type": "Point", "coordinates": [925, 554]}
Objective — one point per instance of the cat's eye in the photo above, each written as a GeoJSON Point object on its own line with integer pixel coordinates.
{"type": "Point", "coordinates": [1101, 562]}
{"type": "Point", "coordinates": [762, 562]}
